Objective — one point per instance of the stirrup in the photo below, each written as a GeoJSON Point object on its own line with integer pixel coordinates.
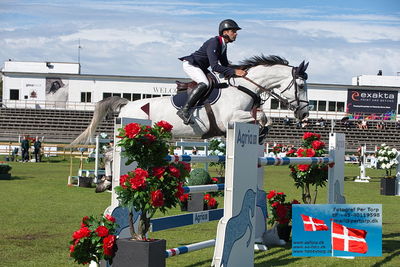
{"type": "Point", "coordinates": [186, 120]}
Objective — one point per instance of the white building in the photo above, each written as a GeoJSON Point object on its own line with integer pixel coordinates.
{"type": "Point", "coordinates": [61, 85]}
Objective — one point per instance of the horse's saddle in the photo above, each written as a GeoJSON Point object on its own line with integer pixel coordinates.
{"type": "Point", "coordinates": [184, 89]}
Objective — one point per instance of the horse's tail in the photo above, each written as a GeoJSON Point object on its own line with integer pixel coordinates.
{"type": "Point", "coordinates": [103, 107]}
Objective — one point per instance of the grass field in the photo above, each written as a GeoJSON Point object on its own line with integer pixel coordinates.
{"type": "Point", "coordinates": [39, 212]}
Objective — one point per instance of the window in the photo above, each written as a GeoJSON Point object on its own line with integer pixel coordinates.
{"type": "Point", "coordinates": [86, 97]}
{"type": "Point", "coordinates": [274, 104]}
{"type": "Point", "coordinates": [147, 96]}
{"type": "Point", "coordinates": [127, 96]}
{"type": "Point", "coordinates": [107, 95]}
{"type": "Point", "coordinates": [340, 107]}
{"type": "Point", "coordinates": [321, 105]}
{"type": "Point", "coordinates": [135, 97]}
{"type": "Point", "coordinates": [331, 106]}
{"type": "Point", "coordinates": [313, 105]}
{"type": "Point", "coordinates": [14, 94]}
{"type": "Point", "coordinates": [284, 106]}
{"type": "Point", "coordinates": [116, 94]}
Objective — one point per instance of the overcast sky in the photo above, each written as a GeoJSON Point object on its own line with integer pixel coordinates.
{"type": "Point", "coordinates": [341, 38]}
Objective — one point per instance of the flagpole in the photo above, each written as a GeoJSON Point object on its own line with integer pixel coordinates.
{"type": "Point", "coordinates": [331, 238]}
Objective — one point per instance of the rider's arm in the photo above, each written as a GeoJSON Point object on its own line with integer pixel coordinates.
{"type": "Point", "coordinates": [214, 56]}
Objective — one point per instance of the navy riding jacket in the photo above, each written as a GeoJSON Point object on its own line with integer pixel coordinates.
{"type": "Point", "coordinates": [210, 54]}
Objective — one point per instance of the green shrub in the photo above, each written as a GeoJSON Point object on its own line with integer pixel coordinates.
{"type": "Point", "coordinates": [199, 177]}
{"type": "Point", "coordinates": [4, 168]}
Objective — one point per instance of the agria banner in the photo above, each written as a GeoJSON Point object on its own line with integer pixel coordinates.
{"type": "Point", "coordinates": [371, 102]}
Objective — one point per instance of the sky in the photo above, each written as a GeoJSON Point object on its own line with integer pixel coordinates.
{"type": "Point", "coordinates": [341, 39]}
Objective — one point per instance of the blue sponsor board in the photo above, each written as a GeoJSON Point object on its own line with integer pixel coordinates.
{"type": "Point", "coordinates": [339, 230]}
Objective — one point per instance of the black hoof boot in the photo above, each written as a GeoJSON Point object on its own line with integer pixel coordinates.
{"type": "Point", "coordinates": [262, 138]}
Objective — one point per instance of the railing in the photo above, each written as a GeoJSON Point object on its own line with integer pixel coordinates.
{"type": "Point", "coordinates": [36, 104]}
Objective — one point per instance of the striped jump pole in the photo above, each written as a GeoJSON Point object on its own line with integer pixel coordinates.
{"type": "Point", "coordinates": [195, 158]}
{"type": "Point", "coordinates": [264, 161]}
{"type": "Point", "coordinates": [204, 188]}
{"type": "Point", "coordinates": [189, 248]}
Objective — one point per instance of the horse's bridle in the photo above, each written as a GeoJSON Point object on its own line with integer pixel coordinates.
{"type": "Point", "coordinates": [271, 92]}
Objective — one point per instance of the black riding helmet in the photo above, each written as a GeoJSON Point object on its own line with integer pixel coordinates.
{"type": "Point", "coordinates": [228, 24]}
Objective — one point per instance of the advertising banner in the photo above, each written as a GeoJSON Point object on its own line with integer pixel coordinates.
{"type": "Point", "coordinates": [371, 102]}
{"type": "Point", "coordinates": [337, 230]}
{"type": "Point", "coordinates": [57, 91]}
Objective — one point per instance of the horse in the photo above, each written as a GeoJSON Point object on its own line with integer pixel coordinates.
{"type": "Point", "coordinates": [271, 75]}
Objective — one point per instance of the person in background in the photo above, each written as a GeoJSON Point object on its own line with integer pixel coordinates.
{"type": "Point", "coordinates": [37, 149]}
{"type": "Point", "coordinates": [286, 121]}
{"type": "Point", "coordinates": [106, 181]}
{"type": "Point", "coordinates": [25, 149]}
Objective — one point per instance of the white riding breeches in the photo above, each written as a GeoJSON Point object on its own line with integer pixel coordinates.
{"type": "Point", "coordinates": [195, 73]}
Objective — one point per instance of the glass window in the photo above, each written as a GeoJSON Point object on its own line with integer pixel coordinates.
{"type": "Point", "coordinates": [135, 97]}
{"type": "Point", "coordinates": [86, 97]}
{"type": "Point", "coordinates": [331, 106]}
{"type": "Point", "coordinates": [106, 95]}
{"type": "Point", "coordinates": [116, 94]}
{"type": "Point", "coordinates": [274, 103]}
{"type": "Point", "coordinates": [284, 106]}
{"type": "Point", "coordinates": [313, 105]}
{"type": "Point", "coordinates": [340, 106]}
{"type": "Point", "coordinates": [147, 96]}
{"type": "Point", "coordinates": [14, 94]}
{"type": "Point", "coordinates": [156, 96]}
{"type": "Point", "coordinates": [321, 105]}
{"type": "Point", "coordinates": [127, 96]}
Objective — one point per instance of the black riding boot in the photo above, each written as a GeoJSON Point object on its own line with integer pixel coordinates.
{"type": "Point", "coordinates": [195, 96]}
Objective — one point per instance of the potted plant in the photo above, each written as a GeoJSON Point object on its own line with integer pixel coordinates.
{"type": "Point", "coordinates": [5, 171]}
{"type": "Point", "coordinates": [387, 160]}
{"type": "Point", "coordinates": [307, 176]}
{"type": "Point", "coordinates": [94, 240]}
{"type": "Point", "coordinates": [154, 185]}
{"type": "Point", "coordinates": [280, 213]}
{"type": "Point", "coordinates": [195, 201]}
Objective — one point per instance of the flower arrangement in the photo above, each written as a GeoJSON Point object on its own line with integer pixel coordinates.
{"type": "Point", "coordinates": [387, 158]}
{"type": "Point", "coordinates": [155, 184]}
{"type": "Point", "coordinates": [278, 148]}
{"type": "Point", "coordinates": [211, 202]}
{"type": "Point", "coordinates": [95, 240]}
{"type": "Point", "coordinates": [218, 147]}
{"type": "Point", "coordinates": [280, 210]}
{"type": "Point", "coordinates": [306, 175]}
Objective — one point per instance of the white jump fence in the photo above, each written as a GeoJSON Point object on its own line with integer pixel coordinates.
{"type": "Point", "coordinates": [242, 222]}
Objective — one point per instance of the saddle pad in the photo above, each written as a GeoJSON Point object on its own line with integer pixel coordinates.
{"type": "Point", "coordinates": [180, 99]}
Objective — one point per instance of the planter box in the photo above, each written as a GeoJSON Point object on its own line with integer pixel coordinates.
{"type": "Point", "coordinates": [195, 202]}
{"type": "Point", "coordinates": [5, 176]}
{"type": "Point", "coordinates": [85, 181]}
{"type": "Point", "coordinates": [140, 253]}
{"type": "Point", "coordinates": [388, 186]}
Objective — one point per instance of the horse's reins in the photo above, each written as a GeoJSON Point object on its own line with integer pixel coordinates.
{"type": "Point", "coordinates": [257, 98]}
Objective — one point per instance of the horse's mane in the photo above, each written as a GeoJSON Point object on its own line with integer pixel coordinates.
{"type": "Point", "coordinates": [261, 60]}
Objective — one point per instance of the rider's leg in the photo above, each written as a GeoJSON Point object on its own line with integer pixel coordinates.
{"type": "Point", "coordinates": [202, 84]}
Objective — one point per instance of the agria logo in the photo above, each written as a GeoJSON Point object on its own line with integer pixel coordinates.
{"type": "Point", "coordinates": [246, 138]}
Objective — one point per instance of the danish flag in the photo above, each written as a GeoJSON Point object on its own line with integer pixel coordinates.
{"type": "Point", "coordinates": [313, 224]}
{"type": "Point", "coordinates": [348, 239]}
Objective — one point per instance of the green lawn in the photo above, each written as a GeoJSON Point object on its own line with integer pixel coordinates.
{"type": "Point", "coordinates": [39, 212]}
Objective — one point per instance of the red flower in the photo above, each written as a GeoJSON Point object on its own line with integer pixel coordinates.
{"type": "Point", "coordinates": [81, 233]}
{"type": "Point", "coordinates": [141, 173]}
{"type": "Point", "coordinates": [165, 125]}
{"type": "Point", "coordinates": [84, 219]}
{"type": "Point", "coordinates": [186, 166]}
{"type": "Point", "coordinates": [212, 203]}
{"type": "Point", "coordinates": [331, 164]}
{"type": "Point", "coordinates": [132, 130]}
{"type": "Point", "coordinates": [207, 197]}
{"type": "Point", "coordinates": [138, 182]}
{"type": "Point", "coordinates": [108, 245]}
{"type": "Point", "coordinates": [275, 204]}
{"type": "Point", "coordinates": [271, 194]}
{"type": "Point", "coordinates": [303, 167]}
{"type": "Point", "coordinates": [316, 144]}
{"type": "Point", "coordinates": [110, 218]}
{"type": "Point", "coordinates": [150, 137]}
{"type": "Point", "coordinates": [71, 248]}
{"type": "Point", "coordinates": [280, 193]}
{"type": "Point", "coordinates": [122, 180]}
{"type": "Point", "coordinates": [215, 179]}
{"type": "Point", "coordinates": [295, 201]}
{"type": "Point", "coordinates": [174, 171]}
{"type": "Point", "coordinates": [179, 190]}
{"type": "Point", "coordinates": [309, 135]}
{"type": "Point", "coordinates": [281, 211]}
{"type": "Point", "coordinates": [157, 198]}
{"type": "Point", "coordinates": [102, 231]}
{"type": "Point", "coordinates": [184, 197]}
{"type": "Point", "coordinates": [158, 172]}
{"type": "Point", "coordinates": [310, 152]}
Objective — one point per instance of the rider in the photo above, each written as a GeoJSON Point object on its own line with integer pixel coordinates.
{"type": "Point", "coordinates": [211, 53]}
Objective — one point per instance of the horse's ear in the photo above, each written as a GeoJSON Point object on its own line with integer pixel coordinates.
{"type": "Point", "coordinates": [305, 67]}
{"type": "Point", "coordinates": [301, 66]}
